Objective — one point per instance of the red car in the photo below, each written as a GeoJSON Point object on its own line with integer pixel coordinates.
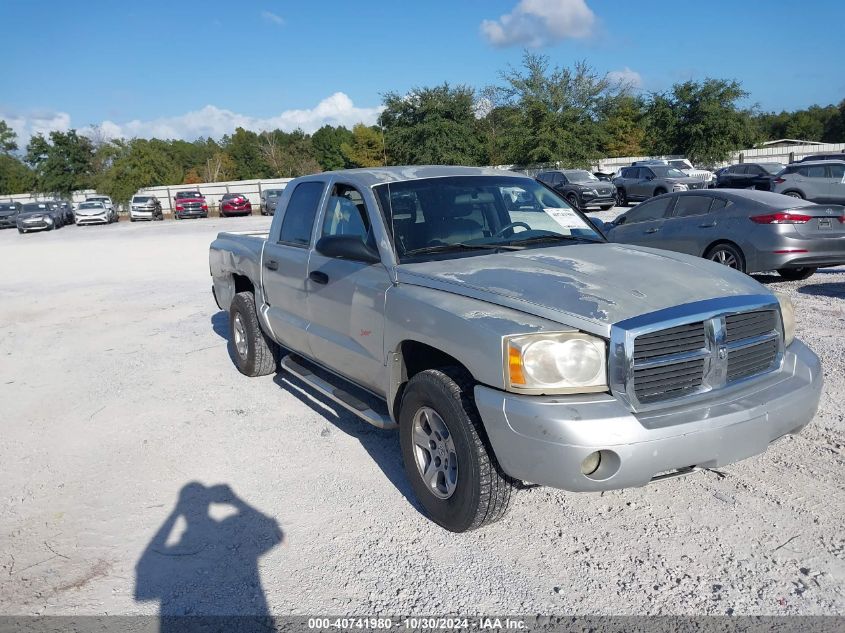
{"type": "Point", "coordinates": [190, 204]}
{"type": "Point", "coordinates": [235, 204]}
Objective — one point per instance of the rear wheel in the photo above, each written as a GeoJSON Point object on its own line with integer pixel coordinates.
{"type": "Point", "coordinates": [796, 274]}
{"type": "Point", "coordinates": [659, 191]}
{"type": "Point", "coordinates": [606, 207]}
{"type": "Point", "coordinates": [254, 352]}
{"type": "Point", "coordinates": [447, 456]}
{"type": "Point", "coordinates": [727, 255]}
{"type": "Point", "coordinates": [794, 194]}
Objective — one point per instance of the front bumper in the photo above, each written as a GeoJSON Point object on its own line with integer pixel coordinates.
{"type": "Point", "coordinates": [245, 211]}
{"type": "Point", "coordinates": [92, 219]}
{"type": "Point", "coordinates": [38, 225]}
{"type": "Point", "coordinates": [192, 213]}
{"type": "Point", "coordinates": [600, 200]}
{"type": "Point", "coordinates": [142, 214]}
{"type": "Point", "coordinates": [543, 440]}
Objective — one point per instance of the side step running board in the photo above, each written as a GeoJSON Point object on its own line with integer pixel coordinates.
{"type": "Point", "coordinates": [337, 394]}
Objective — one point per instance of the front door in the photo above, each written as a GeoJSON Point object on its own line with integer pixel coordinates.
{"type": "Point", "coordinates": [643, 224]}
{"type": "Point", "coordinates": [285, 268]}
{"type": "Point", "coordinates": [346, 298]}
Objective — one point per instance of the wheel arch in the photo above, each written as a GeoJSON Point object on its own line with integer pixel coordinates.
{"type": "Point", "coordinates": [723, 240]}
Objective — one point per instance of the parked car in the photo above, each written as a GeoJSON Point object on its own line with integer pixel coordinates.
{"type": "Point", "coordinates": [822, 181]}
{"type": "Point", "coordinates": [107, 203]}
{"type": "Point", "coordinates": [93, 212]}
{"type": "Point", "coordinates": [749, 176]}
{"type": "Point", "coordinates": [815, 157]}
{"type": "Point", "coordinates": [66, 210]}
{"type": "Point", "coordinates": [144, 207]}
{"type": "Point", "coordinates": [646, 181]}
{"type": "Point", "coordinates": [704, 175]}
{"type": "Point", "coordinates": [38, 216]}
{"type": "Point", "coordinates": [580, 188]}
{"type": "Point", "coordinates": [508, 345]}
{"type": "Point", "coordinates": [751, 231]}
{"type": "Point", "coordinates": [235, 204]}
{"type": "Point", "coordinates": [269, 198]}
{"type": "Point", "coordinates": [9, 214]}
{"type": "Point", "coordinates": [189, 204]}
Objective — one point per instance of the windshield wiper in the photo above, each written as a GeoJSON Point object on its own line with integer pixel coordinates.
{"type": "Point", "coordinates": [538, 239]}
{"type": "Point", "coordinates": [461, 246]}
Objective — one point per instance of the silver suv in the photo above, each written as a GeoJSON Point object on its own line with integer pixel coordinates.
{"type": "Point", "coordinates": [641, 182]}
{"type": "Point", "coordinates": [819, 181]}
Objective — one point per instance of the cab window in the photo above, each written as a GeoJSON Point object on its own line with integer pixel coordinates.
{"type": "Point", "coordinates": [346, 214]}
{"type": "Point", "coordinates": [300, 214]}
{"type": "Point", "coordinates": [652, 210]}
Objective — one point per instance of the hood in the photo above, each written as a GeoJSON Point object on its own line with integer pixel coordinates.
{"type": "Point", "coordinates": [91, 211]}
{"type": "Point", "coordinates": [689, 180]}
{"type": "Point", "coordinates": [589, 286]}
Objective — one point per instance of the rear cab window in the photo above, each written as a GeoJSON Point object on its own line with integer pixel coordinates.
{"type": "Point", "coordinates": [300, 213]}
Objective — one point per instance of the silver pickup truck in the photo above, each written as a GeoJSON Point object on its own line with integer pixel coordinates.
{"type": "Point", "coordinates": [490, 322]}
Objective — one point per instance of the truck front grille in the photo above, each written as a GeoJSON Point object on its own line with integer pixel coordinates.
{"type": "Point", "coordinates": [701, 356]}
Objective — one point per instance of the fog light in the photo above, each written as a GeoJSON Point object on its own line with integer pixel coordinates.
{"type": "Point", "coordinates": [591, 463]}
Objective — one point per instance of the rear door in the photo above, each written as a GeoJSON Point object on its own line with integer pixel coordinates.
{"type": "Point", "coordinates": [691, 224]}
{"type": "Point", "coordinates": [285, 267]}
{"type": "Point", "coordinates": [345, 297]}
{"type": "Point", "coordinates": [643, 223]}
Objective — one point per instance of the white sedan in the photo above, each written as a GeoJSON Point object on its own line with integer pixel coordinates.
{"type": "Point", "coordinates": [92, 213]}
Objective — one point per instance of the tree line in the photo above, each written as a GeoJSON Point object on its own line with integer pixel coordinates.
{"type": "Point", "coordinates": [536, 113]}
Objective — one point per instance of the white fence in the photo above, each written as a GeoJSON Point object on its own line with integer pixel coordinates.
{"type": "Point", "coordinates": [212, 191]}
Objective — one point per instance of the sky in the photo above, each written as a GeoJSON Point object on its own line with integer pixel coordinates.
{"type": "Point", "coordinates": [184, 69]}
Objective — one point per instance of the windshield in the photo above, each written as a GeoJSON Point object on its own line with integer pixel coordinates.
{"type": "Point", "coordinates": [461, 214]}
{"type": "Point", "coordinates": [8, 207]}
{"type": "Point", "coordinates": [188, 194]}
{"type": "Point", "coordinates": [141, 199]}
{"type": "Point", "coordinates": [274, 193]}
{"type": "Point", "coordinates": [96, 199]}
{"type": "Point", "coordinates": [772, 168]}
{"type": "Point", "coordinates": [91, 205]}
{"type": "Point", "coordinates": [667, 172]}
{"type": "Point", "coordinates": [679, 164]}
{"type": "Point", "coordinates": [35, 206]}
{"type": "Point", "coordinates": [580, 175]}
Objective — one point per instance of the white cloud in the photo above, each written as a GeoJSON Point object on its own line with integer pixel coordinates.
{"type": "Point", "coordinates": [210, 120]}
{"type": "Point", "coordinates": [271, 17]}
{"type": "Point", "coordinates": [536, 23]}
{"type": "Point", "coordinates": [626, 76]}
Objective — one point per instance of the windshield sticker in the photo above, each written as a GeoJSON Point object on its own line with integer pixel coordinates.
{"type": "Point", "coordinates": [567, 218]}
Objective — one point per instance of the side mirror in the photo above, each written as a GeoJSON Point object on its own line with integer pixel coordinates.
{"type": "Point", "coordinates": [619, 221]}
{"type": "Point", "coordinates": [347, 247]}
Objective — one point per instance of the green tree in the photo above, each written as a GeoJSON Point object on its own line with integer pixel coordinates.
{"type": "Point", "coordinates": [365, 149]}
{"type": "Point", "coordinates": [140, 165]}
{"type": "Point", "coordinates": [15, 177]}
{"type": "Point", "coordinates": [623, 127]}
{"type": "Point", "coordinates": [701, 120]}
{"type": "Point", "coordinates": [555, 112]}
{"type": "Point", "coordinates": [432, 126]}
{"type": "Point", "coordinates": [244, 149]}
{"type": "Point", "coordinates": [64, 164]}
{"type": "Point", "coordinates": [327, 142]}
{"type": "Point", "coordinates": [8, 138]}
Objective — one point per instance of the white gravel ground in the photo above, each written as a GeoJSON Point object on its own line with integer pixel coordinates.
{"type": "Point", "coordinates": [116, 390]}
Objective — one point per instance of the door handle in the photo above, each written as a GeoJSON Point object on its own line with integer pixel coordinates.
{"type": "Point", "coordinates": [651, 231]}
{"type": "Point", "coordinates": [318, 278]}
{"type": "Point", "coordinates": [271, 264]}
{"type": "Point", "coordinates": [707, 226]}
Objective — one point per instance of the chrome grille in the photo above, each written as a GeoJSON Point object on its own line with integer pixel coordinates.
{"type": "Point", "coordinates": [751, 360]}
{"type": "Point", "coordinates": [749, 324]}
{"type": "Point", "coordinates": [675, 340]}
{"type": "Point", "coordinates": [652, 384]}
{"type": "Point", "coordinates": [704, 350]}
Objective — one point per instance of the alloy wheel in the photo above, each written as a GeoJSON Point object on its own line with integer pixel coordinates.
{"type": "Point", "coordinates": [434, 453]}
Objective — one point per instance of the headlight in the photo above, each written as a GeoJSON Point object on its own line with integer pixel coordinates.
{"type": "Point", "coordinates": [679, 187]}
{"type": "Point", "coordinates": [787, 313]}
{"type": "Point", "coordinates": [555, 362]}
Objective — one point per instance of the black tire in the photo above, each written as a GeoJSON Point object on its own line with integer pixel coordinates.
{"type": "Point", "coordinates": [572, 199]}
{"type": "Point", "coordinates": [796, 274]}
{"type": "Point", "coordinates": [131, 219]}
{"type": "Point", "coordinates": [606, 207]}
{"type": "Point", "coordinates": [794, 194]}
{"type": "Point", "coordinates": [482, 491]}
{"type": "Point", "coordinates": [725, 252]}
{"type": "Point", "coordinates": [621, 198]}
{"type": "Point", "coordinates": [21, 231]}
{"type": "Point", "coordinates": [659, 191]}
{"type": "Point", "coordinates": [261, 356]}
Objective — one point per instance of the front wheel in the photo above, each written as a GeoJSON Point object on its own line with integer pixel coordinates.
{"type": "Point", "coordinates": [255, 354]}
{"type": "Point", "coordinates": [448, 459]}
{"type": "Point", "coordinates": [621, 198]}
{"type": "Point", "coordinates": [794, 194]}
{"type": "Point", "coordinates": [572, 199]}
{"type": "Point", "coordinates": [796, 274]}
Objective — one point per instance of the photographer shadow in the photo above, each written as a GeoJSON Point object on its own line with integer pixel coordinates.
{"type": "Point", "coordinates": [202, 564]}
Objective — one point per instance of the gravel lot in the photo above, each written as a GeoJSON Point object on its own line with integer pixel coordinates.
{"type": "Point", "coordinates": [117, 391]}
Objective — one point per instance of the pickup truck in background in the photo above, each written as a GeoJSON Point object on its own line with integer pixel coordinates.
{"type": "Point", "coordinates": [506, 339]}
{"type": "Point", "coordinates": [189, 204]}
